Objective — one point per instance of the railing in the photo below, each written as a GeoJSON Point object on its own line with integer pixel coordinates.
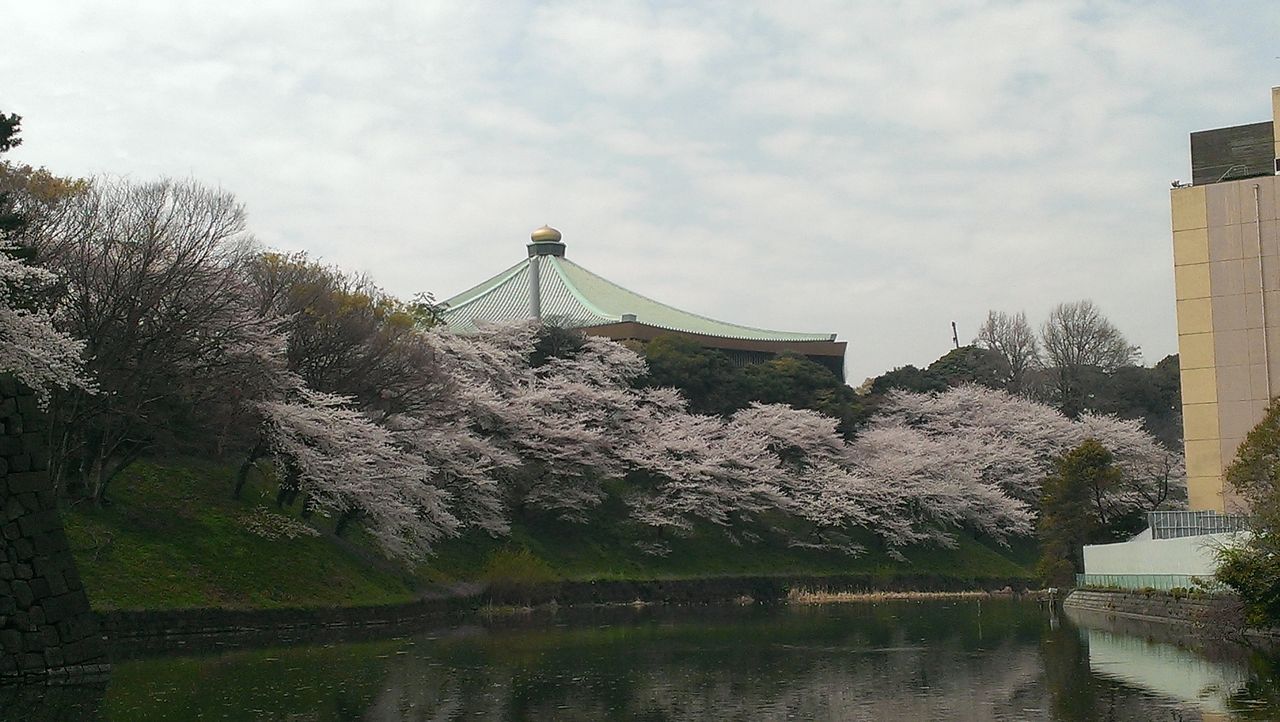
{"type": "Point", "coordinates": [1163, 582]}
{"type": "Point", "coordinates": [1177, 524]}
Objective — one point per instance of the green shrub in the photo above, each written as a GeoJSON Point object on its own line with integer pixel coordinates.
{"type": "Point", "coordinates": [1253, 573]}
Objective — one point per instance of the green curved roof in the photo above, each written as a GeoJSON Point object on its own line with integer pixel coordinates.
{"type": "Point", "coordinates": [574, 297]}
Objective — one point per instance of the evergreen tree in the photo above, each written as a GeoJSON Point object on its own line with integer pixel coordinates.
{"type": "Point", "coordinates": [1067, 518]}
{"type": "Point", "coordinates": [1252, 569]}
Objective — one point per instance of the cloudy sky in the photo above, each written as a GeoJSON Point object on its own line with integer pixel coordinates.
{"type": "Point", "coordinates": [876, 170]}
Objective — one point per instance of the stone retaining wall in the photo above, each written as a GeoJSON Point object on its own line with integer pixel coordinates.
{"type": "Point", "coordinates": [124, 626]}
{"type": "Point", "coordinates": [1150, 606]}
{"type": "Point", "coordinates": [46, 628]}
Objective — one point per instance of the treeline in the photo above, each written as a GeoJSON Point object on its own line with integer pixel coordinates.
{"type": "Point", "coordinates": [1078, 362]}
{"type": "Point", "coordinates": [996, 359]}
{"type": "Point", "coordinates": [153, 323]}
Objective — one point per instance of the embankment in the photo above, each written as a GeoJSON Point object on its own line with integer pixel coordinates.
{"type": "Point", "coordinates": [138, 630]}
{"type": "Point", "coordinates": [1152, 606]}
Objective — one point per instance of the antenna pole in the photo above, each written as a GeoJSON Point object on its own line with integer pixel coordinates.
{"type": "Point", "coordinates": [955, 337]}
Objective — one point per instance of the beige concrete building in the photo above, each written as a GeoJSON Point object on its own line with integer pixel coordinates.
{"type": "Point", "coordinates": [1226, 251]}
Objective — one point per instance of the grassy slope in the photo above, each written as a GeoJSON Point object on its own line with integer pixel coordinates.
{"type": "Point", "coordinates": [174, 538]}
{"type": "Point", "coordinates": [599, 552]}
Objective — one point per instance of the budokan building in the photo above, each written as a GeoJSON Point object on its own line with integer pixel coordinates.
{"type": "Point", "coordinates": [551, 288]}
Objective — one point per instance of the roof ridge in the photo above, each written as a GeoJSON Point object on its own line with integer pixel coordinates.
{"type": "Point", "coordinates": [484, 288]}
{"type": "Point", "coordinates": [577, 294]}
{"type": "Point", "coordinates": [825, 336]}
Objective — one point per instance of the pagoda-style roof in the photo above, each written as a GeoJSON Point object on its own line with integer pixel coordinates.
{"type": "Point", "coordinates": [571, 296]}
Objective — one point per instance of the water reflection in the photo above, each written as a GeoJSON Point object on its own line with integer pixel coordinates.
{"type": "Point", "coordinates": [1000, 660]}
{"type": "Point", "coordinates": [1166, 670]}
{"type": "Point", "coordinates": [1221, 680]}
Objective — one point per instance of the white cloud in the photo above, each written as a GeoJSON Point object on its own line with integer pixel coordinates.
{"type": "Point", "coordinates": [874, 170]}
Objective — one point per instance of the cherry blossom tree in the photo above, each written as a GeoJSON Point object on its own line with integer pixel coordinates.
{"type": "Point", "coordinates": [1011, 442]}
{"type": "Point", "coordinates": [31, 346]}
{"type": "Point", "coordinates": [1150, 475]}
{"type": "Point", "coordinates": [349, 466]}
{"type": "Point", "coordinates": [932, 488]}
{"type": "Point", "coordinates": [688, 468]}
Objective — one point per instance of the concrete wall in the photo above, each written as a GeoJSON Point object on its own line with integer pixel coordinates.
{"type": "Point", "coordinates": [1192, 555]}
{"type": "Point", "coordinates": [46, 627]}
{"type": "Point", "coordinates": [1227, 281]}
{"type": "Point", "coordinates": [1226, 256]}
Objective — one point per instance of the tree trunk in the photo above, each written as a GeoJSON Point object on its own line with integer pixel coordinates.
{"type": "Point", "coordinates": [242, 474]}
{"type": "Point", "coordinates": [345, 518]}
{"type": "Point", "coordinates": [288, 487]}
{"type": "Point", "coordinates": [286, 496]}
{"type": "Point", "coordinates": [106, 470]}
{"type": "Point", "coordinates": [100, 480]}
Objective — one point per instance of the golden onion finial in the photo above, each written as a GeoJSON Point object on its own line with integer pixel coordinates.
{"type": "Point", "coordinates": [545, 234]}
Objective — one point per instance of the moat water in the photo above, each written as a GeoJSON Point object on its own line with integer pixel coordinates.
{"type": "Point", "coordinates": [956, 660]}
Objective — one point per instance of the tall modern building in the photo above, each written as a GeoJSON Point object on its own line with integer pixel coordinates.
{"type": "Point", "coordinates": [1226, 254]}
{"type": "Point", "coordinates": [547, 286]}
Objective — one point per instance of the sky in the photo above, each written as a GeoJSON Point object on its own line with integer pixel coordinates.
{"type": "Point", "coordinates": [876, 170]}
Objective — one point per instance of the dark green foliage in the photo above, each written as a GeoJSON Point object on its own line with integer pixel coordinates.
{"type": "Point", "coordinates": [1255, 472]}
{"type": "Point", "coordinates": [706, 377]}
{"type": "Point", "coordinates": [971, 364]}
{"type": "Point", "coordinates": [907, 378]}
{"type": "Point", "coordinates": [1252, 570]}
{"type": "Point", "coordinates": [10, 220]}
{"type": "Point", "coordinates": [803, 384]}
{"type": "Point", "coordinates": [1130, 392]}
{"type": "Point", "coordinates": [9, 125]}
{"type": "Point", "coordinates": [555, 342]}
{"type": "Point", "coordinates": [713, 384]}
{"type": "Point", "coordinates": [1137, 392]}
{"type": "Point", "coordinates": [967, 364]}
{"type": "Point", "coordinates": [1067, 515]}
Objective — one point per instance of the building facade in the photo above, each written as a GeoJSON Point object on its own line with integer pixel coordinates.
{"type": "Point", "coordinates": [1226, 252]}
{"type": "Point", "coordinates": [549, 287]}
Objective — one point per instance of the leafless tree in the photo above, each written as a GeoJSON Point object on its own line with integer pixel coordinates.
{"type": "Point", "coordinates": [153, 284]}
{"type": "Point", "coordinates": [345, 335]}
{"type": "Point", "coordinates": [1078, 339]}
{"type": "Point", "coordinates": [1014, 339]}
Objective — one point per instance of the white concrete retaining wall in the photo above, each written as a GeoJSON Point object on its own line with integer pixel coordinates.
{"type": "Point", "coordinates": [1191, 555]}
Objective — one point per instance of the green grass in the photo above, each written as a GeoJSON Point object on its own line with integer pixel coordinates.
{"type": "Point", "coordinates": [174, 538]}
{"type": "Point", "coordinates": [601, 551]}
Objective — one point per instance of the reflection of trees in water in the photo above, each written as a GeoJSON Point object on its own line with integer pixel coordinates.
{"type": "Point", "coordinates": [810, 666]}
{"type": "Point", "coordinates": [870, 664]}
{"type": "Point", "coordinates": [1259, 698]}
{"type": "Point", "coordinates": [939, 682]}
{"type": "Point", "coordinates": [859, 662]}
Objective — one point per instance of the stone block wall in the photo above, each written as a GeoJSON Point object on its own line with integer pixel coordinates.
{"type": "Point", "coordinates": [46, 626]}
{"type": "Point", "coordinates": [1150, 606]}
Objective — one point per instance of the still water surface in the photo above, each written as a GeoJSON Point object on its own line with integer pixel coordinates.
{"type": "Point", "coordinates": [962, 660]}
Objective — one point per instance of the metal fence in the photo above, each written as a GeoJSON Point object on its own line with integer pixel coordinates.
{"type": "Point", "coordinates": [1164, 582]}
{"type": "Point", "coordinates": [1176, 524]}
